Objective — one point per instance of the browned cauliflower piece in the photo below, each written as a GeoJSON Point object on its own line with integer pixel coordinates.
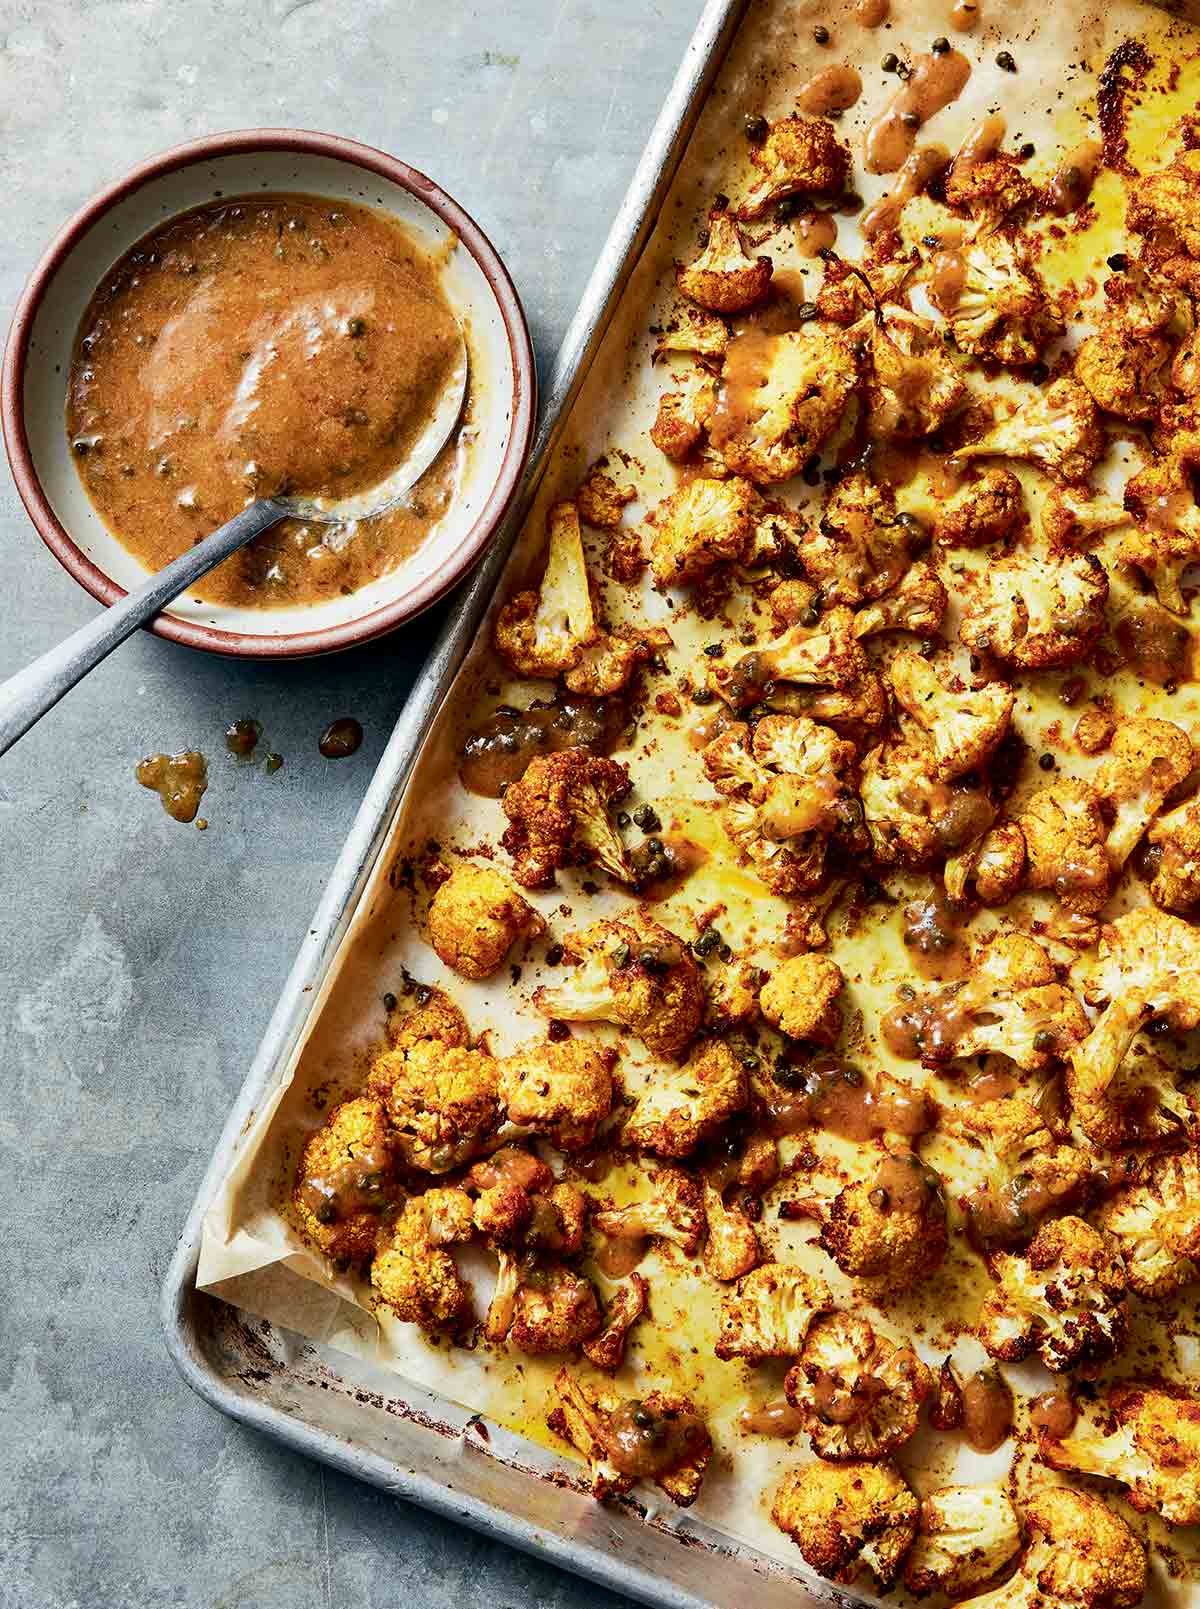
{"type": "Point", "coordinates": [1026, 1173]}
{"type": "Point", "coordinates": [544, 632]}
{"type": "Point", "coordinates": [857, 710]}
{"type": "Point", "coordinates": [1165, 206]}
{"type": "Point", "coordinates": [443, 1102]}
{"type": "Point", "coordinates": [659, 1437]}
{"type": "Point", "coordinates": [606, 1350]}
{"type": "Point", "coordinates": [1035, 611]}
{"type": "Point", "coordinates": [674, 1213]}
{"type": "Point", "coordinates": [1072, 517]}
{"type": "Point", "coordinates": [902, 801]}
{"type": "Point", "coordinates": [790, 392]}
{"type": "Point", "coordinates": [641, 977]}
{"type": "Point", "coordinates": [769, 1313]}
{"type": "Point", "coordinates": [731, 1248]}
{"type": "Point", "coordinates": [912, 386]}
{"type": "Point", "coordinates": [1059, 430]}
{"type": "Point", "coordinates": [433, 1015]}
{"type": "Point", "coordinates": [843, 1516]}
{"type": "Point", "coordinates": [1080, 1556]}
{"type": "Point", "coordinates": [1002, 310]}
{"type": "Point", "coordinates": [827, 655]}
{"type": "Point", "coordinates": [860, 550]}
{"type": "Point", "coordinates": [1175, 837]}
{"type": "Point", "coordinates": [703, 524]}
{"type": "Point", "coordinates": [476, 917]}
{"type": "Point", "coordinates": [964, 727]}
{"type": "Point", "coordinates": [418, 1279]}
{"type": "Point", "coordinates": [890, 1228]}
{"type": "Point", "coordinates": [861, 1395]}
{"type": "Point", "coordinates": [1064, 832]}
{"type": "Point", "coordinates": [1063, 1298]}
{"type": "Point", "coordinates": [1148, 760]}
{"type": "Point", "coordinates": [608, 664]}
{"type": "Point", "coordinates": [684, 1106]}
{"type": "Point", "coordinates": [800, 155]}
{"type": "Point", "coordinates": [801, 998]}
{"type": "Point", "coordinates": [560, 1088]}
{"type": "Point", "coordinates": [982, 511]}
{"type": "Point", "coordinates": [724, 278]}
{"type": "Point", "coordinates": [600, 499]}
{"type": "Point", "coordinates": [693, 331]}
{"type": "Point", "coordinates": [990, 190]}
{"type": "Point", "coordinates": [968, 1535]}
{"type": "Point", "coordinates": [1124, 372]}
{"type": "Point", "coordinates": [558, 814]}
{"type": "Point", "coordinates": [993, 864]}
{"type": "Point", "coordinates": [1154, 1452]}
{"type": "Point", "coordinates": [1156, 1223]}
{"type": "Point", "coordinates": [345, 1180]}
{"type": "Point", "coordinates": [555, 1310]}
{"type": "Point", "coordinates": [1166, 535]}
{"type": "Point", "coordinates": [683, 417]}
{"type": "Point", "coordinates": [850, 290]}
{"type": "Point", "coordinates": [917, 604]}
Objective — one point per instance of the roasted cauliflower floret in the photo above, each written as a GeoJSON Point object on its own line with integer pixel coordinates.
{"type": "Point", "coordinates": [658, 1437]}
{"type": "Point", "coordinates": [769, 1313]}
{"type": "Point", "coordinates": [859, 550]}
{"type": "Point", "coordinates": [800, 156]}
{"type": "Point", "coordinates": [675, 1212]}
{"type": "Point", "coordinates": [641, 977]}
{"type": "Point", "coordinates": [993, 864]}
{"type": "Point", "coordinates": [1064, 832]}
{"type": "Point", "coordinates": [964, 728]}
{"type": "Point", "coordinates": [560, 1088]}
{"type": "Point", "coordinates": [890, 1228]}
{"type": "Point", "coordinates": [345, 1179]}
{"type": "Point", "coordinates": [555, 1310]}
{"type": "Point", "coordinates": [981, 512]}
{"type": "Point", "coordinates": [683, 418]}
{"type": "Point", "coordinates": [990, 190]}
{"type": "Point", "coordinates": [1166, 538]}
{"type": "Point", "coordinates": [860, 1394]}
{"type": "Point", "coordinates": [912, 386]}
{"type": "Point", "coordinates": [1026, 1173]}
{"type": "Point", "coordinates": [731, 1248]}
{"type": "Point", "coordinates": [1176, 840]}
{"type": "Point", "coordinates": [1156, 1223]}
{"type": "Point", "coordinates": [1124, 372]}
{"type": "Point", "coordinates": [842, 1516]}
{"type": "Point", "coordinates": [1002, 310]}
{"type": "Point", "coordinates": [1080, 1556]}
{"type": "Point", "coordinates": [608, 664]}
{"type": "Point", "coordinates": [1148, 760]}
{"type": "Point", "coordinates": [606, 1349]}
{"type": "Point", "coordinates": [801, 998]}
{"type": "Point", "coordinates": [1072, 517]}
{"type": "Point", "coordinates": [825, 655]}
{"type": "Point", "coordinates": [684, 1106]}
{"type": "Point", "coordinates": [790, 391]}
{"type": "Point", "coordinates": [902, 801]}
{"type": "Point", "coordinates": [431, 1015]}
{"type": "Point", "coordinates": [1165, 206]}
{"type": "Point", "coordinates": [917, 604]}
{"type": "Point", "coordinates": [443, 1102]}
{"type": "Point", "coordinates": [1059, 430]}
{"type": "Point", "coordinates": [693, 331]}
{"type": "Point", "coordinates": [967, 1536]}
{"type": "Point", "coordinates": [724, 278]}
{"type": "Point", "coordinates": [703, 524]}
{"type": "Point", "coordinates": [543, 633]}
{"type": "Point", "coordinates": [558, 814]}
{"type": "Point", "coordinates": [1063, 1298]}
{"type": "Point", "coordinates": [1037, 612]}
{"type": "Point", "coordinates": [601, 499]}
{"type": "Point", "coordinates": [1154, 1451]}
{"type": "Point", "coordinates": [417, 1278]}
{"type": "Point", "coordinates": [476, 917]}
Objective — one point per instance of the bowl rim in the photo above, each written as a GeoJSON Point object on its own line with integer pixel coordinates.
{"type": "Point", "coordinates": [431, 587]}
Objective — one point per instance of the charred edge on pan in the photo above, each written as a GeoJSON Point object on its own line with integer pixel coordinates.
{"type": "Point", "coordinates": [1124, 70]}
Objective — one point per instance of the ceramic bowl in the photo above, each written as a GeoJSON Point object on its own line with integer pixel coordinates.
{"type": "Point", "coordinates": [38, 357]}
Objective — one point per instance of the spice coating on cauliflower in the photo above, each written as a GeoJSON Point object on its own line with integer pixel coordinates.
{"type": "Point", "coordinates": [1156, 1223]}
{"type": "Point", "coordinates": [965, 727]}
{"type": "Point", "coordinates": [555, 1310]}
{"type": "Point", "coordinates": [1065, 832]}
{"type": "Point", "coordinates": [800, 155]}
{"type": "Point", "coordinates": [860, 1394]}
{"type": "Point", "coordinates": [1064, 1299]}
{"type": "Point", "coordinates": [558, 814]}
{"type": "Point", "coordinates": [1165, 206]}
{"type": "Point", "coordinates": [433, 1016]}
{"type": "Point", "coordinates": [968, 1534]}
{"type": "Point", "coordinates": [724, 278]}
{"type": "Point", "coordinates": [1001, 310]}
{"type": "Point", "coordinates": [345, 1179]}
{"type": "Point", "coordinates": [1072, 517]}
{"type": "Point", "coordinates": [476, 917]}
{"type": "Point", "coordinates": [1059, 430]}
{"type": "Point", "coordinates": [1080, 1556]}
{"type": "Point", "coordinates": [1175, 836]}
{"type": "Point", "coordinates": [544, 632]}
{"type": "Point", "coordinates": [890, 1229]}
{"type": "Point", "coordinates": [1166, 536]}
{"type": "Point", "coordinates": [659, 1437]}
{"type": "Point", "coordinates": [417, 1279]}
{"type": "Point", "coordinates": [769, 1314]}
{"type": "Point", "coordinates": [1148, 760]}
{"type": "Point", "coordinates": [782, 396]}
{"type": "Point", "coordinates": [981, 512]}
{"type": "Point", "coordinates": [674, 1213]}
{"type": "Point", "coordinates": [1124, 371]}
{"type": "Point", "coordinates": [918, 603]}
{"type": "Point", "coordinates": [703, 524]}
{"type": "Point", "coordinates": [684, 1106]}
{"type": "Point", "coordinates": [801, 998]}
{"type": "Point", "coordinates": [1026, 1172]}
{"type": "Point", "coordinates": [912, 387]}
{"type": "Point", "coordinates": [442, 1101]}
{"type": "Point", "coordinates": [1037, 612]}
{"type": "Point", "coordinates": [860, 550]}
{"type": "Point", "coordinates": [844, 1515]}
{"type": "Point", "coordinates": [562, 1089]}
{"type": "Point", "coordinates": [732, 1247]}
{"type": "Point", "coordinates": [1154, 1451]}
{"type": "Point", "coordinates": [606, 1349]}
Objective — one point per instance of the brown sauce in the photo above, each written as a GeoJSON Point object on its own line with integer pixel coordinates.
{"type": "Point", "coordinates": [615, 1258]}
{"type": "Point", "coordinates": [498, 752]}
{"type": "Point", "coordinates": [341, 738]}
{"type": "Point", "coordinates": [508, 1165]}
{"type": "Point", "coordinates": [902, 1184]}
{"type": "Point", "coordinates": [915, 173]}
{"type": "Point", "coordinates": [947, 277]}
{"type": "Point", "coordinates": [670, 860]}
{"type": "Point", "coordinates": [987, 1411]}
{"type": "Point", "coordinates": [1155, 644]}
{"type": "Point", "coordinates": [256, 345]}
{"type": "Point", "coordinates": [931, 935]}
{"type": "Point", "coordinates": [815, 232]}
{"type": "Point", "coordinates": [179, 780]}
{"type": "Point", "coordinates": [1054, 1412]}
{"type": "Point", "coordinates": [992, 1085]}
{"type": "Point", "coordinates": [774, 1418]}
{"type": "Point", "coordinates": [241, 738]}
{"type": "Point", "coordinates": [982, 143]}
{"type": "Point", "coordinates": [1001, 1218]}
{"type": "Point", "coordinates": [929, 1028]}
{"type": "Point", "coordinates": [872, 13]}
{"type": "Point", "coordinates": [827, 1093]}
{"type": "Point", "coordinates": [748, 359]}
{"type": "Point", "coordinates": [964, 15]}
{"type": "Point", "coordinates": [642, 1443]}
{"type": "Point", "coordinates": [833, 89]}
{"type": "Point", "coordinates": [359, 1184]}
{"type": "Point", "coordinates": [935, 81]}
{"type": "Point", "coordinates": [1072, 181]}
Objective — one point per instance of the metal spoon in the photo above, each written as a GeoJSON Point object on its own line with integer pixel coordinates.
{"type": "Point", "coordinates": [26, 697]}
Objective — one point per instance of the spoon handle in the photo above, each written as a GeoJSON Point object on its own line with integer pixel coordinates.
{"type": "Point", "coordinates": [26, 697]}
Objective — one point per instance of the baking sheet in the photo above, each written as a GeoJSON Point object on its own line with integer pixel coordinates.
{"type": "Point", "coordinates": [249, 1255]}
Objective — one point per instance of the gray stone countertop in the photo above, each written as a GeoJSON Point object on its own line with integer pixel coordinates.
{"type": "Point", "coordinates": [140, 959]}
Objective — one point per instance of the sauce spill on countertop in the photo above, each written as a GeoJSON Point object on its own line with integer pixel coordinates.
{"type": "Point", "coordinates": [241, 737]}
{"type": "Point", "coordinates": [341, 738]}
{"type": "Point", "coordinates": [178, 779]}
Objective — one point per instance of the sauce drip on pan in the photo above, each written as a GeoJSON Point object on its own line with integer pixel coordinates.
{"type": "Point", "coordinates": [833, 89]}
{"type": "Point", "coordinates": [936, 80]}
{"type": "Point", "coordinates": [915, 173]}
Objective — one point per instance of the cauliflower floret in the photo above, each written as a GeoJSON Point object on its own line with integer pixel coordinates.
{"type": "Point", "coordinates": [600, 499]}
{"type": "Point", "coordinates": [1156, 1223]}
{"type": "Point", "coordinates": [555, 1310]}
{"type": "Point", "coordinates": [562, 1089]}
{"type": "Point", "coordinates": [901, 802]}
{"type": "Point", "coordinates": [844, 1515]}
{"type": "Point", "coordinates": [476, 917]}
{"type": "Point", "coordinates": [1165, 206]}
{"type": "Point", "coordinates": [989, 190]}
{"type": "Point", "coordinates": [1059, 430]}
{"type": "Point", "coordinates": [682, 419]}
{"type": "Point", "coordinates": [890, 1228]}
{"type": "Point", "coordinates": [345, 1179]}
{"type": "Point", "coordinates": [861, 1395]}
{"type": "Point", "coordinates": [1080, 1556]}
{"type": "Point", "coordinates": [1010, 1004]}
{"type": "Point", "coordinates": [826, 655]}
{"type": "Point", "coordinates": [684, 1106]}
{"type": "Point", "coordinates": [1064, 834]}
{"type": "Point", "coordinates": [433, 1016]}
{"type": "Point", "coordinates": [732, 1248]}
{"type": "Point", "coordinates": [769, 1313]}
{"type": "Point", "coordinates": [859, 550]}
{"type": "Point", "coordinates": [857, 710]}
{"type": "Point", "coordinates": [1037, 612]}
{"type": "Point", "coordinates": [1154, 1451]}
{"type": "Point", "coordinates": [982, 511]}
{"type": "Point", "coordinates": [1124, 372]}
{"type": "Point", "coordinates": [918, 604]}
{"type": "Point", "coordinates": [1064, 1299]}
{"type": "Point", "coordinates": [544, 632]}
{"type": "Point", "coordinates": [1148, 760]}
{"type": "Point", "coordinates": [417, 1278]}
{"type": "Point", "coordinates": [1176, 838]}
{"type": "Point", "coordinates": [443, 1102]}
{"type": "Point", "coordinates": [850, 290]}
{"type": "Point", "coordinates": [1026, 1173]}
{"type": "Point", "coordinates": [800, 155]}
{"type": "Point", "coordinates": [703, 524]}
{"type": "Point", "coordinates": [1002, 310]}
{"type": "Point", "coordinates": [912, 386]}
{"type": "Point", "coordinates": [724, 278]}
{"type": "Point", "coordinates": [659, 1437]}
{"type": "Point", "coordinates": [607, 665]}
{"type": "Point", "coordinates": [801, 998]}
{"type": "Point", "coordinates": [1072, 517]}
{"type": "Point", "coordinates": [558, 812]}
{"type": "Point", "coordinates": [1166, 538]}
{"type": "Point", "coordinates": [993, 863]}
{"type": "Point", "coordinates": [606, 1350]}
{"type": "Point", "coordinates": [965, 727]}
{"type": "Point", "coordinates": [693, 331]}
{"type": "Point", "coordinates": [643, 978]}
{"type": "Point", "coordinates": [967, 1536]}
{"type": "Point", "coordinates": [784, 394]}
{"type": "Point", "coordinates": [675, 1212]}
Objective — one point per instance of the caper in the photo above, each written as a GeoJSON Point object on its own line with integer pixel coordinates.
{"type": "Point", "coordinates": [941, 45]}
{"type": "Point", "coordinates": [389, 1001]}
{"type": "Point", "coordinates": [757, 129]}
{"type": "Point", "coordinates": [621, 955]}
{"type": "Point", "coordinates": [646, 818]}
{"type": "Point", "coordinates": [356, 327]}
{"type": "Point", "coordinates": [1006, 61]}
{"type": "Point", "coordinates": [1044, 1039]}
{"type": "Point", "coordinates": [821, 34]}
{"type": "Point", "coordinates": [890, 62]}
